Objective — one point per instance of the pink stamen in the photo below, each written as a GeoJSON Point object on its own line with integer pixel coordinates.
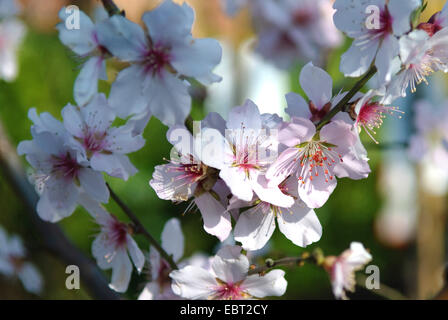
{"type": "Point", "coordinates": [371, 116]}
{"type": "Point", "coordinates": [229, 291]}
{"type": "Point", "coordinates": [156, 59]}
{"type": "Point", "coordinates": [66, 166]}
{"type": "Point", "coordinates": [118, 232]}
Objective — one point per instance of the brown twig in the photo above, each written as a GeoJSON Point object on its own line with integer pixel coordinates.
{"type": "Point", "coordinates": [344, 101]}
{"type": "Point", "coordinates": [111, 7]}
{"type": "Point", "coordinates": [140, 229]}
{"type": "Point", "coordinates": [289, 261]}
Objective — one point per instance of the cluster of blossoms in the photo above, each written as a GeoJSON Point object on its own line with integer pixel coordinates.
{"type": "Point", "coordinates": [12, 31]}
{"type": "Point", "coordinates": [14, 263]}
{"type": "Point", "coordinates": [247, 173]}
{"type": "Point", "coordinates": [291, 31]}
{"type": "Point", "coordinates": [404, 52]}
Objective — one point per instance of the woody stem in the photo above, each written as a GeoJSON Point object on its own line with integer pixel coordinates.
{"type": "Point", "coordinates": [140, 229]}
{"type": "Point", "coordinates": [289, 261]}
{"type": "Point", "coordinates": [111, 7]}
{"type": "Point", "coordinates": [346, 99]}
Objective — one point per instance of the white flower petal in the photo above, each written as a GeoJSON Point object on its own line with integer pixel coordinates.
{"type": "Point", "coordinates": [93, 184]}
{"type": "Point", "coordinates": [271, 284]}
{"type": "Point", "coordinates": [193, 283]}
{"type": "Point", "coordinates": [255, 227]}
{"type": "Point", "coordinates": [173, 239]}
{"type": "Point", "coordinates": [300, 225]}
{"type": "Point", "coordinates": [31, 278]}
{"type": "Point", "coordinates": [230, 265]}
{"type": "Point", "coordinates": [217, 221]}
{"type": "Point", "coordinates": [136, 254]}
{"type": "Point", "coordinates": [317, 84]}
{"type": "Point", "coordinates": [121, 271]}
{"type": "Point", "coordinates": [197, 59]}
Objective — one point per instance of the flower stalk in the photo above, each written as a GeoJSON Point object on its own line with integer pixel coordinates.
{"type": "Point", "coordinates": [344, 101]}
{"type": "Point", "coordinates": [288, 261]}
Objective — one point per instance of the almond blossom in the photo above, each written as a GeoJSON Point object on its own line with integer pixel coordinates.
{"type": "Point", "coordinates": [318, 86]}
{"type": "Point", "coordinates": [317, 158]}
{"type": "Point", "coordinates": [295, 220]}
{"type": "Point", "coordinates": [246, 151]}
{"type": "Point", "coordinates": [61, 170]}
{"type": "Point", "coordinates": [186, 176]}
{"type": "Point", "coordinates": [86, 43]}
{"type": "Point", "coordinates": [114, 247]}
{"type": "Point", "coordinates": [13, 263]}
{"type": "Point", "coordinates": [375, 38]}
{"type": "Point", "coordinates": [12, 32]}
{"type": "Point", "coordinates": [105, 147]}
{"type": "Point", "coordinates": [437, 22]}
{"type": "Point", "coordinates": [227, 279]}
{"type": "Point", "coordinates": [160, 60]}
{"type": "Point", "coordinates": [290, 31]}
{"type": "Point", "coordinates": [342, 268]}
{"type": "Point", "coordinates": [421, 55]}
{"type": "Point", "coordinates": [159, 288]}
{"type": "Point", "coordinates": [370, 113]}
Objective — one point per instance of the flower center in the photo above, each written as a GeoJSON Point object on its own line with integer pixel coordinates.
{"type": "Point", "coordinates": [432, 26]}
{"type": "Point", "coordinates": [248, 149]}
{"type": "Point", "coordinates": [228, 291]}
{"type": "Point", "coordinates": [318, 114]}
{"type": "Point", "coordinates": [385, 23]}
{"type": "Point", "coordinates": [186, 171]}
{"type": "Point", "coordinates": [156, 59]}
{"type": "Point", "coordinates": [316, 158]}
{"type": "Point", "coordinates": [371, 117]}
{"type": "Point", "coordinates": [384, 28]}
{"type": "Point", "coordinates": [302, 17]}
{"type": "Point", "coordinates": [66, 166]}
{"type": "Point", "coordinates": [118, 233]}
{"type": "Point", "coordinates": [163, 277]}
{"type": "Point", "coordinates": [418, 72]}
{"type": "Point", "coordinates": [286, 42]}
{"type": "Point", "coordinates": [100, 49]}
{"type": "Point", "coordinates": [94, 141]}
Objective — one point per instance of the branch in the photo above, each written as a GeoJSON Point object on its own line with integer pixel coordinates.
{"type": "Point", "coordinates": [111, 7]}
{"type": "Point", "coordinates": [316, 258]}
{"type": "Point", "coordinates": [289, 261]}
{"type": "Point", "coordinates": [52, 237]}
{"type": "Point", "coordinates": [394, 145]}
{"type": "Point", "coordinates": [140, 229]}
{"type": "Point", "coordinates": [344, 101]}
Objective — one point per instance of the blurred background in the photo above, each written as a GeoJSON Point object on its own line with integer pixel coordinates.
{"type": "Point", "coordinates": [399, 212]}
